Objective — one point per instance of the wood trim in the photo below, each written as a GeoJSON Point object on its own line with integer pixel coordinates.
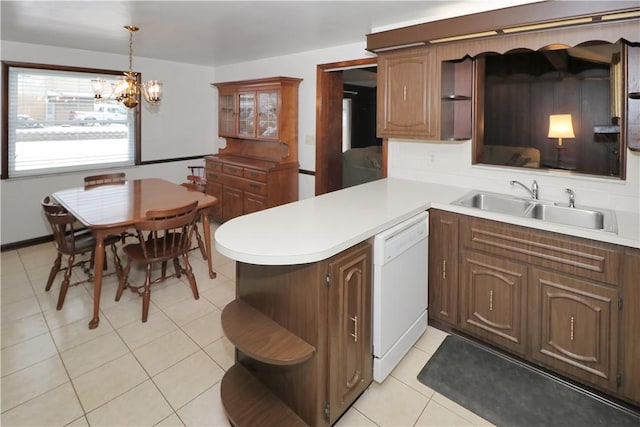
{"type": "Point", "coordinates": [4, 167]}
{"type": "Point", "coordinates": [329, 123]}
{"type": "Point", "coordinates": [528, 14]}
{"type": "Point", "coordinates": [328, 131]}
{"type": "Point", "coordinates": [385, 156]}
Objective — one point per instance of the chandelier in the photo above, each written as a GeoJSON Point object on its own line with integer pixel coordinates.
{"type": "Point", "coordinates": [127, 89]}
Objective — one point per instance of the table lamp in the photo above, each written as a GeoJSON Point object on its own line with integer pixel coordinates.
{"type": "Point", "coordinates": [560, 126]}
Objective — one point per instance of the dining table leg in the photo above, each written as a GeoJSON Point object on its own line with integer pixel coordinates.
{"type": "Point", "coordinates": [98, 267]}
{"type": "Point", "coordinates": [207, 241]}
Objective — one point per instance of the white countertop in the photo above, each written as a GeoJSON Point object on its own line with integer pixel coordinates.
{"type": "Point", "coordinates": [317, 228]}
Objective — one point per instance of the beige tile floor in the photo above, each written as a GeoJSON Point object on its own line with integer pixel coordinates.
{"type": "Point", "coordinates": [167, 372]}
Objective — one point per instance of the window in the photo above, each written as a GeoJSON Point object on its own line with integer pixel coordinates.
{"type": "Point", "coordinates": [54, 124]}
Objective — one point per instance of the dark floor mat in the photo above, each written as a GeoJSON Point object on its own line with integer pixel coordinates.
{"type": "Point", "coordinates": [507, 393]}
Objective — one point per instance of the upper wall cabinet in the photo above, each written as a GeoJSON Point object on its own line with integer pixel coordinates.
{"type": "Point", "coordinates": [422, 97]}
{"type": "Point", "coordinates": [444, 56]}
{"type": "Point", "coordinates": [407, 103]}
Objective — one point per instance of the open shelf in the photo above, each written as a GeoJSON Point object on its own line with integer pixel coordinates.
{"type": "Point", "coordinates": [247, 402]}
{"type": "Point", "coordinates": [456, 100]}
{"type": "Point", "coordinates": [261, 338]}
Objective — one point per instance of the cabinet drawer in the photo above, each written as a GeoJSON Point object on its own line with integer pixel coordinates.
{"type": "Point", "coordinates": [213, 176]}
{"type": "Point", "coordinates": [255, 175]}
{"type": "Point", "coordinates": [255, 187]}
{"type": "Point", "coordinates": [214, 166]}
{"type": "Point", "coordinates": [239, 184]}
{"type": "Point", "coordinates": [231, 181]}
{"type": "Point", "coordinates": [581, 257]}
{"type": "Point", "coordinates": [232, 170]}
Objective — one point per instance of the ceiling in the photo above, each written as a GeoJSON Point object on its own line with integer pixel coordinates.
{"type": "Point", "coordinates": [216, 33]}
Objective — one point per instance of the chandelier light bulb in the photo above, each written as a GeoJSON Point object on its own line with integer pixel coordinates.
{"type": "Point", "coordinates": [127, 89]}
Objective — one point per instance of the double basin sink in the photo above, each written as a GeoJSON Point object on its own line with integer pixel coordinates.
{"type": "Point", "coordinates": [594, 219]}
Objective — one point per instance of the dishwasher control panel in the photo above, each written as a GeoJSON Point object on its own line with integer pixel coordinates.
{"type": "Point", "coordinates": [395, 240]}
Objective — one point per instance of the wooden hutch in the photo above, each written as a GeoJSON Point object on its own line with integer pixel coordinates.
{"type": "Point", "coordinates": [258, 168]}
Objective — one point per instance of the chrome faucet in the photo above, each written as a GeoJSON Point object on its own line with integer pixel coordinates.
{"type": "Point", "coordinates": [572, 198]}
{"type": "Point", "coordinates": [533, 192]}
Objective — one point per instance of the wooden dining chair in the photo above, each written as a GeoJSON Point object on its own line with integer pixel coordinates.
{"type": "Point", "coordinates": [165, 235]}
{"type": "Point", "coordinates": [71, 242]}
{"type": "Point", "coordinates": [105, 179]}
{"type": "Point", "coordinates": [197, 171]}
{"type": "Point", "coordinates": [108, 179]}
{"type": "Point", "coordinates": [197, 183]}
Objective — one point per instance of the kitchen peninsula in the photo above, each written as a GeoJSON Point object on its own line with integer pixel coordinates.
{"type": "Point", "coordinates": [288, 259]}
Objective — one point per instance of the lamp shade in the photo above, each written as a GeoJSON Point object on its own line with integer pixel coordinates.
{"type": "Point", "coordinates": [560, 126]}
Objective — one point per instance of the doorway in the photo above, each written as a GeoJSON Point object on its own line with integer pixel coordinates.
{"type": "Point", "coordinates": [329, 95]}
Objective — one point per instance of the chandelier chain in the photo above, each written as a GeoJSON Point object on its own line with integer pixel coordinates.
{"type": "Point", "coordinates": [128, 89]}
{"type": "Point", "coordinates": [130, 50]}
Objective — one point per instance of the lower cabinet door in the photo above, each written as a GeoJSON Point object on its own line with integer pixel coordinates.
{"type": "Point", "coordinates": [494, 300]}
{"type": "Point", "coordinates": [214, 189]}
{"type": "Point", "coordinates": [254, 203]}
{"type": "Point", "coordinates": [350, 340]}
{"type": "Point", "coordinates": [443, 266]}
{"type": "Point", "coordinates": [232, 203]}
{"type": "Point", "coordinates": [631, 326]}
{"type": "Point", "coordinates": [574, 324]}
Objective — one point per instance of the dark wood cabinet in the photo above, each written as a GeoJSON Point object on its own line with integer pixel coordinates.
{"type": "Point", "coordinates": [574, 327]}
{"type": "Point", "coordinates": [303, 340]}
{"type": "Point", "coordinates": [423, 97]}
{"type": "Point", "coordinates": [443, 266]}
{"type": "Point", "coordinates": [258, 168]}
{"type": "Point", "coordinates": [350, 334]}
{"type": "Point", "coordinates": [562, 302]}
{"type": "Point", "coordinates": [407, 99]}
{"type": "Point", "coordinates": [630, 326]}
{"type": "Point", "coordinates": [244, 185]}
{"type": "Point", "coordinates": [493, 300]}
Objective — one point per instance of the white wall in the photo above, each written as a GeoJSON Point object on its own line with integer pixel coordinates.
{"type": "Point", "coordinates": [450, 163]}
{"type": "Point", "coordinates": [183, 125]}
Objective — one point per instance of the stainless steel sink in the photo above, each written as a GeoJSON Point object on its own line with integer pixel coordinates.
{"type": "Point", "coordinates": [579, 217]}
{"type": "Point", "coordinates": [496, 203]}
{"type": "Point", "coordinates": [591, 218]}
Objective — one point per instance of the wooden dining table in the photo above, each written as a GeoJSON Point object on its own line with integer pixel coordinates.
{"type": "Point", "coordinates": [115, 208]}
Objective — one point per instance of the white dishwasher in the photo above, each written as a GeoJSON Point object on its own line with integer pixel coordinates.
{"type": "Point", "coordinates": [399, 291]}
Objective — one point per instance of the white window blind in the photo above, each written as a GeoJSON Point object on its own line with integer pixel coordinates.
{"type": "Point", "coordinates": [55, 124]}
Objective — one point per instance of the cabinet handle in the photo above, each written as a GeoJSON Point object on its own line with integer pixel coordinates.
{"type": "Point", "coordinates": [491, 300]}
{"type": "Point", "coordinates": [404, 92]}
{"type": "Point", "coordinates": [444, 269]}
{"type": "Point", "coordinates": [213, 175]}
{"type": "Point", "coordinates": [571, 328]}
{"type": "Point", "coordinates": [355, 328]}
{"type": "Point", "coordinates": [255, 186]}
